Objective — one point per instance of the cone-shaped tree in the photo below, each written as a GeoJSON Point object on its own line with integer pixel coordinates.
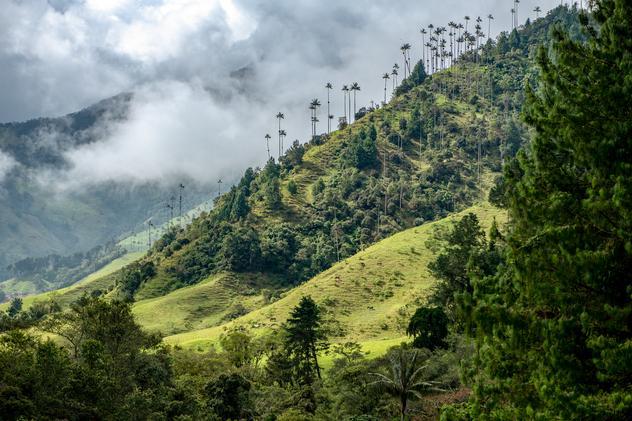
{"type": "Point", "coordinates": [553, 328]}
{"type": "Point", "coordinates": [304, 338]}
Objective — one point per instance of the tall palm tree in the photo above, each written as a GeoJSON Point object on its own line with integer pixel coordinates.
{"type": "Point", "coordinates": [386, 77]}
{"type": "Point", "coordinates": [345, 90]}
{"type": "Point", "coordinates": [329, 87]}
{"type": "Point", "coordinates": [150, 225]}
{"type": "Point", "coordinates": [517, 2]}
{"type": "Point", "coordinates": [423, 45]}
{"type": "Point", "coordinates": [395, 72]}
{"type": "Point", "coordinates": [405, 48]}
{"type": "Point", "coordinates": [280, 116]}
{"type": "Point", "coordinates": [312, 117]}
{"type": "Point", "coordinates": [459, 27]}
{"type": "Point", "coordinates": [170, 207]}
{"type": "Point", "coordinates": [268, 137]}
{"type": "Point", "coordinates": [349, 102]}
{"type": "Point", "coordinates": [537, 11]}
{"type": "Point", "coordinates": [490, 18]}
{"type": "Point", "coordinates": [355, 88]}
{"type": "Point", "coordinates": [513, 18]}
{"type": "Point", "coordinates": [180, 190]}
{"type": "Point", "coordinates": [404, 382]}
{"type": "Point", "coordinates": [314, 107]}
{"type": "Point", "coordinates": [429, 57]}
{"type": "Point", "coordinates": [467, 20]}
{"type": "Point", "coordinates": [282, 134]}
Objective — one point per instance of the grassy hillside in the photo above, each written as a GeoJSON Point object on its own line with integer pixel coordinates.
{"type": "Point", "coordinates": [217, 299]}
{"type": "Point", "coordinates": [368, 297]}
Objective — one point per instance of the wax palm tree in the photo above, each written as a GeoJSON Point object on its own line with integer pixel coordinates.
{"type": "Point", "coordinates": [405, 48]}
{"type": "Point", "coordinates": [280, 116]}
{"type": "Point", "coordinates": [490, 18]}
{"type": "Point", "coordinates": [404, 382]}
{"type": "Point", "coordinates": [423, 45]}
{"type": "Point", "coordinates": [329, 87]}
{"type": "Point", "coordinates": [314, 107]}
{"type": "Point", "coordinates": [459, 27]}
{"type": "Point", "coordinates": [429, 57]}
{"type": "Point", "coordinates": [513, 18]}
{"type": "Point", "coordinates": [386, 77]}
{"type": "Point", "coordinates": [537, 11]}
{"type": "Point", "coordinates": [517, 2]}
{"type": "Point", "coordinates": [345, 90]}
{"type": "Point", "coordinates": [312, 116]}
{"type": "Point", "coordinates": [394, 73]}
{"type": "Point", "coordinates": [355, 88]}
{"type": "Point", "coordinates": [282, 134]}
{"type": "Point", "coordinates": [467, 20]}
{"type": "Point", "coordinates": [315, 121]}
{"type": "Point", "coordinates": [268, 137]}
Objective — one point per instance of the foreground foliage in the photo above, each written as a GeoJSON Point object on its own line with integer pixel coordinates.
{"type": "Point", "coordinates": [553, 326]}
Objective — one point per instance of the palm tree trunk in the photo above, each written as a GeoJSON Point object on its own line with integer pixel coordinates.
{"type": "Point", "coordinates": [385, 81]}
{"type": "Point", "coordinates": [328, 114]}
{"type": "Point", "coordinates": [404, 406]}
{"type": "Point", "coordinates": [349, 107]}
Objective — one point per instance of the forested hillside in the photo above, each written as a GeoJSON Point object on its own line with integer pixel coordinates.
{"type": "Point", "coordinates": [435, 148]}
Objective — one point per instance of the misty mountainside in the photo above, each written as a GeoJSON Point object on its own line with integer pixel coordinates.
{"type": "Point", "coordinates": [434, 149]}
{"type": "Point", "coordinates": [40, 219]}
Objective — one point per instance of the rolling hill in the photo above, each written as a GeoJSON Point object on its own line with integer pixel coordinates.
{"type": "Point", "coordinates": [368, 297]}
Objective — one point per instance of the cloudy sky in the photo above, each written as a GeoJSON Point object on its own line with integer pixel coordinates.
{"type": "Point", "coordinates": [209, 75]}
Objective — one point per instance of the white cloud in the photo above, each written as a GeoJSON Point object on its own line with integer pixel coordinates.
{"type": "Point", "coordinates": [174, 129]}
{"type": "Point", "coordinates": [7, 163]}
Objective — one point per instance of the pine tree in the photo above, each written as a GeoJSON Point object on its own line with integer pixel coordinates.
{"type": "Point", "coordinates": [553, 327]}
{"type": "Point", "coordinates": [240, 205]}
{"type": "Point", "coordinates": [304, 338]}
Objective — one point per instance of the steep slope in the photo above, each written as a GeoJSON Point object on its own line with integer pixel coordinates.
{"type": "Point", "coordinates": [434, 149]}
{"type": "Point", "coordinates": [425, 154]}
{"type": "Point", "coordinates": [368, 298]}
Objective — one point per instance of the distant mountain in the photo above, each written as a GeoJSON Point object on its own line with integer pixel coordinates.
{"type": "Point", "coordinates": [36, 222]}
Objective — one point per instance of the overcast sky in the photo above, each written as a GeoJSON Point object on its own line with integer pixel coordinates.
{"type": "Point", "coordinates": [209, 75]}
